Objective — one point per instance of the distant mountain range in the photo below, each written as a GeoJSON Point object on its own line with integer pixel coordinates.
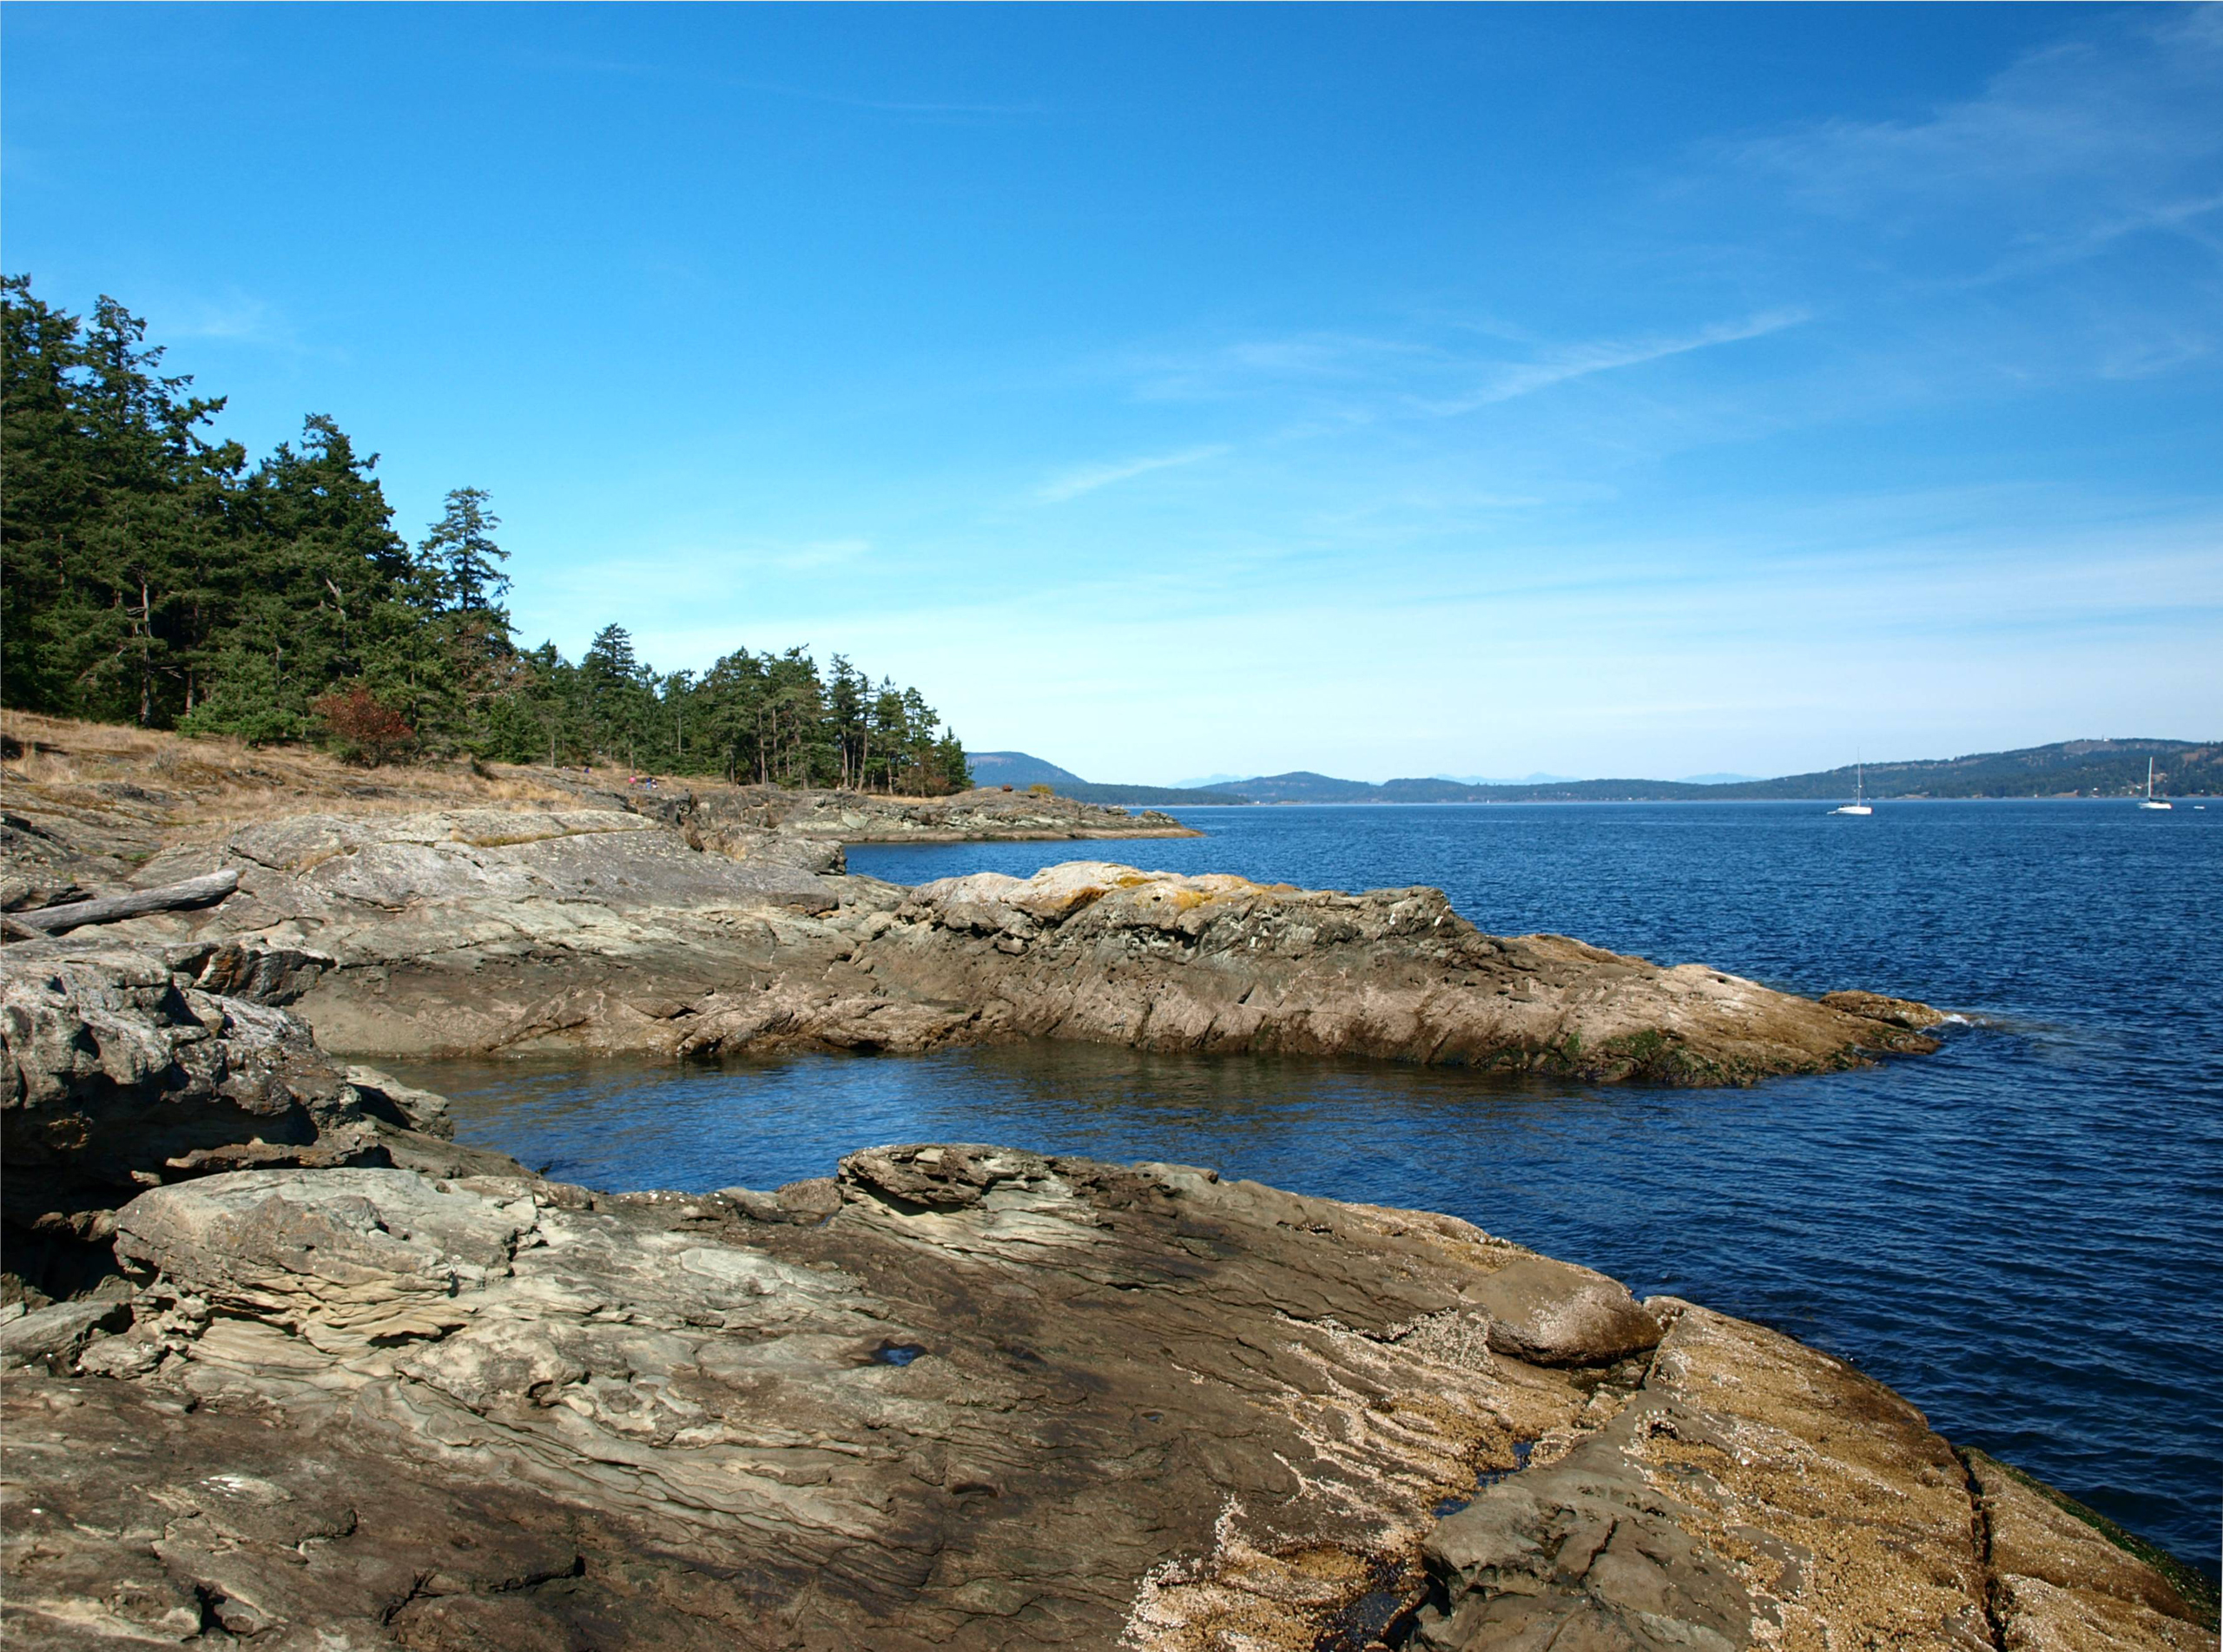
{"type": "Point", "coordinates": [2068, 768]}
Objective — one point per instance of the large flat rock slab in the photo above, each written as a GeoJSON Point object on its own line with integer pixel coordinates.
{"type": "Point", "coordinates": [967, 1395]}
{"type": "Point", "coordinates": [986, 1410]}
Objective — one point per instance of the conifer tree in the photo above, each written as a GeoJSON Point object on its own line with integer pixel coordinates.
{"type": "Point", "coordinates": [461, 546]}
{"type": "Point", "coordinates": [147, 574]}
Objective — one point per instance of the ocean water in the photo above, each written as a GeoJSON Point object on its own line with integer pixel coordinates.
{"type": "Point", "coordinates": [2023, 1233]}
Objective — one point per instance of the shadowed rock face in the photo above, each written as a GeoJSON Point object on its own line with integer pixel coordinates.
{"type": "Point", "coordinates": [121, 1074]}
{"type": "Point", "coordinates": [956, 1395]}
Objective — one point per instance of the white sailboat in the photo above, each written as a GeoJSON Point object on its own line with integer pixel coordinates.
{"type": "Point", "coordinates": [1859, 804]}
{"type": "Point", "coordinates": [2149, 801]}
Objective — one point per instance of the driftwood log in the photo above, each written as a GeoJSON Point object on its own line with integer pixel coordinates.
{"type": "Point", "coordinates": [193, 891]}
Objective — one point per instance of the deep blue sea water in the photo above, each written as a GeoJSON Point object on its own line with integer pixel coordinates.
{"type": "Point", "coordinates": [2023, 1233]}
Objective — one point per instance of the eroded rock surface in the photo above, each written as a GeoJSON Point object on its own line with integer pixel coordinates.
{"type": "Point", "coordinates": [2064, 1581]}
{"type": "Point", "coordinates": [1218, 963]}
{"type": "Point", "coordinates": [122, 1072]}
{"type": "Point", "coordinates": [469, 931]}
{"type": "Point", "coordinates": [1755, 1491]}
{"type": "Point", "coordinates": [955, 1395]}
{"type": "Point", "coordinates": [750, 819]}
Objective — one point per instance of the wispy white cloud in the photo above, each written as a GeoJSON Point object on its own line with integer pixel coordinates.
{"type": "Point", "coordinates": [1072, 483]}
{"type": "Point", "coordinates": [1323, 362]}
{"type": "Point", "coordinates": [2064, 153]}
{"type": "Point", "coordinates": [823, 553]}
{"type": "Point", "coordinates": [1315, 384]}
{"type": "Point", "coordinates": [1580, 361]}
{"type": "Point", "coordinates": [2041, 616]}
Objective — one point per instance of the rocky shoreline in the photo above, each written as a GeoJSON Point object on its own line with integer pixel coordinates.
{"type": "Point", "coordinates": [287, 1366]}
{"type": "Point", "coordinates": [722, 921]}
{"type": "Point", "coordinates": [475, 931]}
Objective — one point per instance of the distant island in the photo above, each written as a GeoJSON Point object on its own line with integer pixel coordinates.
{"type": "Point", "coordinates": [2093, 768]}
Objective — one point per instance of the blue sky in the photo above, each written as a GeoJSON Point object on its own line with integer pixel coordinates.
{"type": "Point", "coordinates": [1382, 391]}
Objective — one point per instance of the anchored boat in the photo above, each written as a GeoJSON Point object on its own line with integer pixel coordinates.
{"type": "Point", "coordinates": [1859, 804]}
{"type": "Point", "coordinates": [2149, 801]}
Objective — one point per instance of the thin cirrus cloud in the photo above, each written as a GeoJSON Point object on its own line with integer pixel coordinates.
{"type": "Point", "coordinates": [1364, 380]}
{"type": "Point", "coordinates": [1580, 361]}
{"type": "Point", "coordinates": [1072, 483]}
{"type": "Point", "coordinates": [2065, 150]}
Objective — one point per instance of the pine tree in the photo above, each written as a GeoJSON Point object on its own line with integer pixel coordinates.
{"type": "Point", "coordinates": [461, 546]}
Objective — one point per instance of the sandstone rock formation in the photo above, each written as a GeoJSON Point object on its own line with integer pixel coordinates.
{"type": "Point", "coordinates": [379, 1390]}
{"type": "Point", "coordinates": [469, 931]}
{"type": "Point", "coordinates": [1216, 963]}
{"type": "Point", "coordinates": [122, 1072]}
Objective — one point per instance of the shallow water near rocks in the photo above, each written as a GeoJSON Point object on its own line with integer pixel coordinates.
{"type": "Point", "coordinates": [2022, 1233]}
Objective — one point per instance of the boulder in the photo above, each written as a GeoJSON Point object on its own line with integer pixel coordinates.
{"type": "Point", "coordinates": [118, 1074]}
{"type": "Point", "coordinates": [1555, 1314]}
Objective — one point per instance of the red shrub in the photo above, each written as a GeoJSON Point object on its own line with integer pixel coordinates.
{"type": "Point", "coordinates": [368, 730]}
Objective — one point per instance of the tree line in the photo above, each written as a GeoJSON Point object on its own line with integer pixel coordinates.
{"type": "Point", "coordinates": [148, 574]}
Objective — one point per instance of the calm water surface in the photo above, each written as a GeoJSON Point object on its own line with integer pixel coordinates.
{"type": "Point", "coordinates": [2023, 1233]}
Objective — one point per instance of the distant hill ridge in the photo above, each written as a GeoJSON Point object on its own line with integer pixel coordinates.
{"type": "Point", "coordinates": [1157, 797]}
{"type": "Point", "coordinates": [1017, 768]}
{"type": "Point", "coordinates": [2067, 768]}
{"type": "Point", "coordinates": [1022, 770]}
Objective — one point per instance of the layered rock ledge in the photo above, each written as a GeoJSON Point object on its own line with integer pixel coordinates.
{"type": "Point", "coordinates": [474, 929]}
{"type": "Point", "coordinates": [987, 814]}
{"type": "Point", "coordinates": [318, 1378]}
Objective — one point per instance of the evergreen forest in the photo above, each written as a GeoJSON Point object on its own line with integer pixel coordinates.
{"type": "Point", "coordinates": [149, 574]}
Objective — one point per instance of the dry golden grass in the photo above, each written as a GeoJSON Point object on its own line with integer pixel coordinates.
{"type": "Point", "coordinates": [184, 782]}
{"type": "Point", "coordinates": [152, 786]}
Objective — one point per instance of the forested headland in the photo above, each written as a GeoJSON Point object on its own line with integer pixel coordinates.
{"type": "Point", "coordinates": [149, 574]}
